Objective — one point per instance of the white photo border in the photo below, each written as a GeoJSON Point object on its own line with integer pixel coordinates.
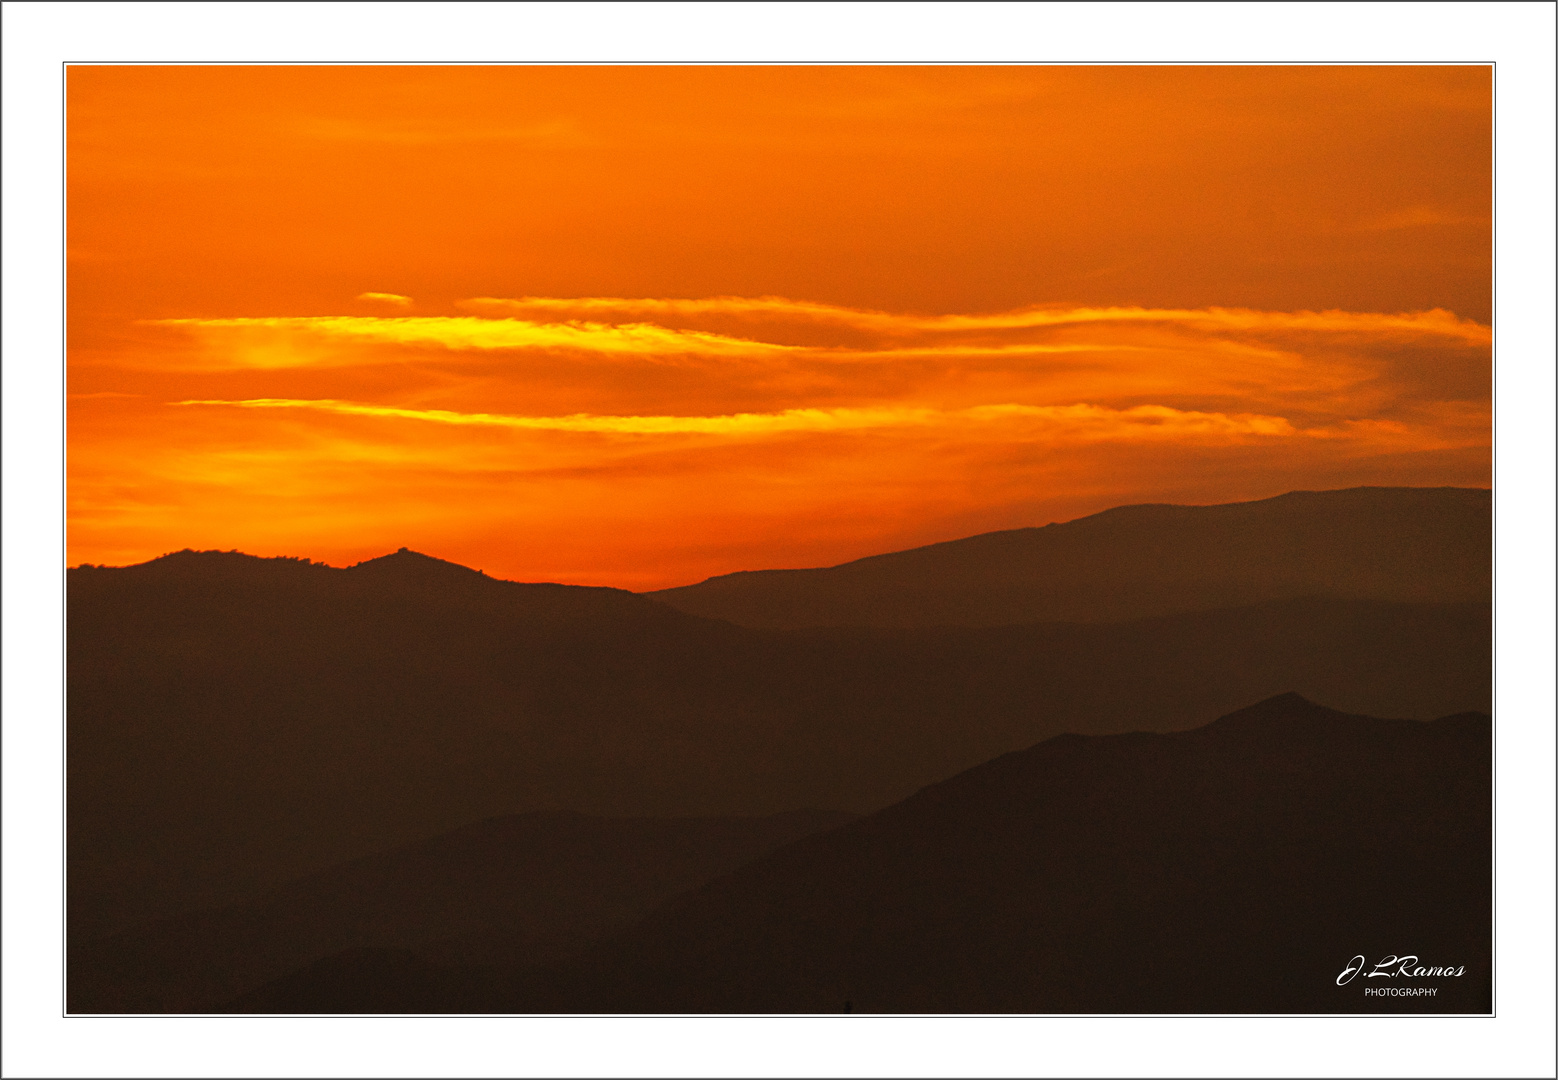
{"type": "Point", "coordinates": [40, 37]}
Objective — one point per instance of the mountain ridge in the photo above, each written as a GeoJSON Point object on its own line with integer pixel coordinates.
{"type": "Point", "coordinates": [236, 721]}
{"type": "Point", "coordinates": [1231, 868]}
{"type": "Point", "coordinates": [1404, 544]}
{"type": "Point", "coordinates": [504, 892]}
{"type": "Point", "coordinates": [1226, 868]}
{"type": "Point", "coordinates": [705, 598]}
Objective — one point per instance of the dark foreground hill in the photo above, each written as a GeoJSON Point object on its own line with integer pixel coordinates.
{"type": "Point", "coordinates": [502, 894]}
{"type": "Point", "coordinates": [1238, 867]}
{"type": "Point", "coordinates": [234, 722]}
{"type": "Point", "coordinates": [1410, 545]}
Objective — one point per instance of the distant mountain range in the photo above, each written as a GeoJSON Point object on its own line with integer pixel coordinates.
{"type": "Point", "coordinates": [237, 724]}
{"type": "Point", "coordinates": [1401, 545]}
{"type": "Point", "coordinates": [1235, 868]}
{"type": "Point", "coordinates": [504, 894]}
{"type": "Point", "coordinates": [246, 722]}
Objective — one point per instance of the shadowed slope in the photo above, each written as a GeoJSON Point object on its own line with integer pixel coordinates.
{"type": "Point", "coordinates": [501, 894]}
{"type": "Point", "coordinates": [1429, 545]}
{"type": "Point", "coordinates": [237, 722]}
{"type": "Point", "coordinates": [1234, 868]}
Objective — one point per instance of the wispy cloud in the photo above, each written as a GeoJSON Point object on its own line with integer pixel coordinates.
{"type": "Point", "coordinates": [1436, 321]}
{"type": "Point", "coordinates": [713, 368]}
{"type": "Point", "coordinates": [386, 298]}
{"type": "Point", "coordinates": [774, 350]}
{"type": "Point", "coordinates": [612, 429]}
{"type": "Point", "coordinates": [465, 332]}
{"type": "Point", "coordinates": [1143, 421]}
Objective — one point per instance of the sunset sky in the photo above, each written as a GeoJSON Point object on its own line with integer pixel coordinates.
{"type": "Point", "coordinates": [636, 326]}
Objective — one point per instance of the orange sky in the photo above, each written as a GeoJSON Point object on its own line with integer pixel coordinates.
{"type": "Point", "coordinates": [637, 326]}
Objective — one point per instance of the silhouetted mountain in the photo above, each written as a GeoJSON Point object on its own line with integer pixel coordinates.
{"type": "Point", "coordinates": [1234, 868]}
{"type": "Point", "coordinates": [407, 567]}
{"type": "Point", "coordinates": [1410, 545]}
{"type": "Point", "coordinates": [236, 722]}
{"type": "Point", "coordinates": [501, 894]}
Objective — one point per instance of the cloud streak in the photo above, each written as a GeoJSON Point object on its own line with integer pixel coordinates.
{"type": "Point", "coordinates": [654, 442]}
{"type": "Point", "coordinates": [386, 298]}
{"type": "Point", "coordinates": [1433, 322]}
{"type": "Point", "coordinates": [1082, 420]}
{"type": "Point", "coordinates": [768, 354]}
{"type": "Point", "coordinates": [469, 333]}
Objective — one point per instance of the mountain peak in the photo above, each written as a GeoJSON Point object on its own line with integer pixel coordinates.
{"type": "Point", "coordinates": [210, 565]}
{"type": "Point", "coordinates": [1287, 715]}
{"type": "Point", "coordinates": [404, 564]}
{"type": "Point", "coordinates": [1282, 703]}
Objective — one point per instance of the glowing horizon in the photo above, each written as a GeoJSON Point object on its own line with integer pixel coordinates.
{"type": "Point", "coordinates": [507, 317]}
